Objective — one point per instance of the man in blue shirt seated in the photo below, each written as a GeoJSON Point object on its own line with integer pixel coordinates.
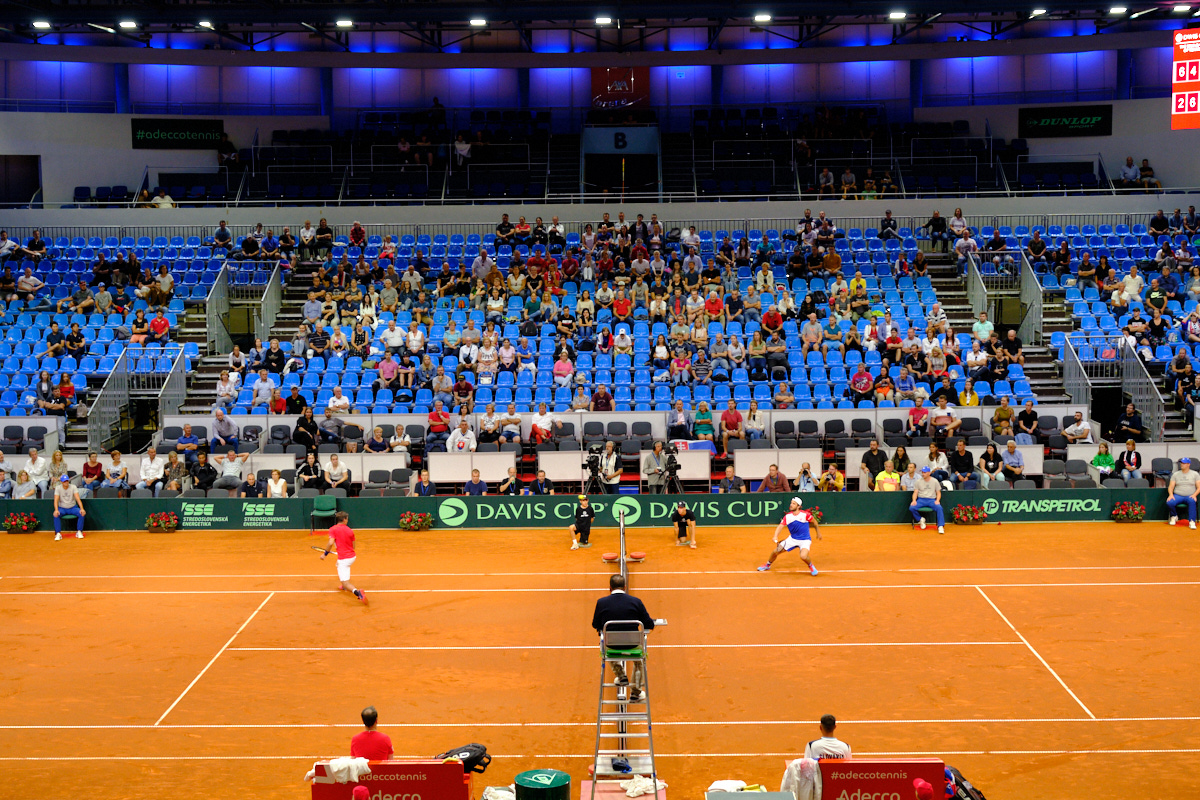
{"type": "Point", "coordinates": [424, 487]}
{"type": "Point", "coordinates": [188, 445]}
{"type": "Point", "coordinates": [222, 237]}
{"type": "Point", "coordinates": [475, 487]}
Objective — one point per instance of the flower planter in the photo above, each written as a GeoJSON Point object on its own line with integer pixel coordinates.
{"type": "Point", "coordinates": [161, 529]}
{"type": "Point", "coordinates": [969, 522]}
{"type": "Point", "coordinates": [1127, 520]}
{"type": "Point", "coordinates": [21, 530]}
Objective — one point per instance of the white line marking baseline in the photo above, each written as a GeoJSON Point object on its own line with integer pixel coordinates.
{"type": "Point", "coordinates": [593, 647]}
{"type": "Point", "coordinates": [675, 723]}
{"type": "Point", "coordinates": [324, 576]}
{"type": "Point", "coordinates": [1036, 654]}
{"type": "Point", "coordinates": [639, 589]}
{"type": "Point", "coordinates": [214, 658]}
{"type": "Point", "coordinates": [926, 753]}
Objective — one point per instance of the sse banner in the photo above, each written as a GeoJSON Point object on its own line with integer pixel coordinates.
{"type": "Point", "coordinates": [176, 134]}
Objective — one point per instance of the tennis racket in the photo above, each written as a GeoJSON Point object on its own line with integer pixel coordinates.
{"type": "Point", "coordinates": [321, 550]}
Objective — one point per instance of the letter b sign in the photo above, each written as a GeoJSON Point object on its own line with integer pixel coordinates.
{"type": "Point", "coordinates": [619, 141]}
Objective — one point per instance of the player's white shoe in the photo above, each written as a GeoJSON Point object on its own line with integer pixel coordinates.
{"type": "Point", "coordinates": [941, 529]}
{"type": "Point", "coordinates": [78, 534]}
{"type": "Point", "coordinates": [58, 537]}
{"type": "Point", "coordinates": [1192, 525]}
{"type": "Point", "coordinates": [1172, 520]}
{"type": "Point", "coordinates": [923, 525]}
{"type": "Point", "coordinates": [574, 545]}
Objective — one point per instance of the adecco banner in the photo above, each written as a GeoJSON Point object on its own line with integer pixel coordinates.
{"type": "Point", "coordinates": [879, 778]}
{"type": "Point", "coordinates": [176, 134]}
{"type": "Point", "coordinates": [1059, 121]}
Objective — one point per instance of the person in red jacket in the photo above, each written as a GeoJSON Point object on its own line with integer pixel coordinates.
{"type": "Point", "coordinates": [371, 744]}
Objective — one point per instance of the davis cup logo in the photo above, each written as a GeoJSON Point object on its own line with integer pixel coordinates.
{"type": "Point", "coordinates": [461, 445]}
{"type": "Point", "coordinates": [452, 512]}
{"type": "Point", "coordinates": [1178, 37]}
{"type": "Point", "coordinates": [632, 510]}
{"type": "Point", "coordinates": [991, 506]}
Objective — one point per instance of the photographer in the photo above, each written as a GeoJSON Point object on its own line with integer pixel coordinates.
{"type": "Point", "coordinates": [804, 481]}
{"type": "Point", "coordinates": [731, 484]}
{"type": "Point", "coordinates": [655, 468]}
{"type": "Point", "coordinates": [610, 468]}
{"type": "Point", "coordinates": [685, 525]}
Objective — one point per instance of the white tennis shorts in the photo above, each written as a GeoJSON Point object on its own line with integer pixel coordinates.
{"type": "Point", "coordinates": [788, 544]}
{"type": "Point", "coordinates": [343, 566]}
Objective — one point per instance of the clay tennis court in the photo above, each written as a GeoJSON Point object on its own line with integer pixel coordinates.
{"type": "Point", "coordinates": [1042, 660]}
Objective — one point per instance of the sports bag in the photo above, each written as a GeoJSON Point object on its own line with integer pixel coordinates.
{"type": "Point", "coordinates": [963, 790]}
{"type": "Point", "coordinates": [474, 757]}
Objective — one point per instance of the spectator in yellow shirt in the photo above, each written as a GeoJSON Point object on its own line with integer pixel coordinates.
{"type": "Point", "coordinates": [888, 480]}
{"type": "Point", "coordinates": [832, 480]}
{"type": "Point", "coordinates": [968, 396]}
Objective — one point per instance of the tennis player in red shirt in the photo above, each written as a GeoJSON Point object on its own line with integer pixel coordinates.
{"type": "Point", "coordinates": [371, 744]}
{"type": "Point", "coordinates": [341, 539]}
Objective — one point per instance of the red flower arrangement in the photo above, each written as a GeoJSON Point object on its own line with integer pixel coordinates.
{"type": "Point", "coordinates": [967, 515]}
{"type": "Point", "coordinates": [815, 511]}
{"type": "Point", "coordinates": [416, 521]}
{"type": "Point", "coordinates": [22, 522]}
{"type": "Point", "coordinates": [163, 519]}
{"type": "Point", "coordinates": [1129, 511]}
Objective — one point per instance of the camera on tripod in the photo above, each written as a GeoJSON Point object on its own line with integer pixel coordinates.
{"type": "Point", "coordinates": [671, 465]}
{"type": "Point", "coordinates": [593, 484]}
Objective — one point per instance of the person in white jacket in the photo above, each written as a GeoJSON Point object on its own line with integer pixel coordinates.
{"type": "Point", "coordinates": [151, 472]}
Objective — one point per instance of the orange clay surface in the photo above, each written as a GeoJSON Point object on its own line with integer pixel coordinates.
{"type": "Point", "coordinates": [221, 664]}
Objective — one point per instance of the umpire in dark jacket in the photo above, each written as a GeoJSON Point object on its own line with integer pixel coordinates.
{"type": "Point", "coordinates": [620, 606]}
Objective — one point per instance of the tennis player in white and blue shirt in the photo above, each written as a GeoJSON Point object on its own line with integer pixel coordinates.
{"type": "Point", "coordinates": [796, 523]}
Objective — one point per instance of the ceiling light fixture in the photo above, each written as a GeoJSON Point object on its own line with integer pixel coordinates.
{"type": "Point", "coordinates": [604, 20]}
{"type": "Point", "coordinates": [762, 17]}
{"type": "Point", "coordinates": [127, 24]}
{"type": "Point", "coordinates": [41, 25]}
{"type": "Point", "coordinates": [345, 23]}
{"type": "Point", "coordinates": [1181, 9]}
{"type": "Point", "coordinates": [478, 22]}
{"type": "Point", "coordinates": [1037, 12]}
{"type": "Point", "coordinates": [897, 15]}
{"type": "Point", "coordinates": [1142, 13]}
{"type": "Point", "coordinates": [104, 28]}
{"type": "Point", "coordinates": [205, 24]}
{"type": "Point", "coordinates": [1117, 11]}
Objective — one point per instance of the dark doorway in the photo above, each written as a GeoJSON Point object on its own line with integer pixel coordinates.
{"type": "Point", "coordinates": [20, 178]}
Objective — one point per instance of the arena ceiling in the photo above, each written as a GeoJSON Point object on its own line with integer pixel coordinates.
{"type": "Point", "coordinates": [247, 22]}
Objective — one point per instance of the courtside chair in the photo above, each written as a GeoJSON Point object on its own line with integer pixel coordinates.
{"type": "Point", "coordinates": [324, 507]}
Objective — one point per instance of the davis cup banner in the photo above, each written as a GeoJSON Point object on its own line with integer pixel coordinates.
{"type": "Point", "coordinates": [1185, 80]}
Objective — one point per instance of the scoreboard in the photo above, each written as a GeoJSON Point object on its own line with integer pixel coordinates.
{"type": "Point", "coordinates": [1185, 80]}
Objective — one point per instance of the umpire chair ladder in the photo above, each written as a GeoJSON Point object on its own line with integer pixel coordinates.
{"type": "Point", "coordinates": [623, 729]}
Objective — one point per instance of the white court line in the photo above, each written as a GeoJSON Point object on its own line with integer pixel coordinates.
{"type": "Point", "coordinates": [324, 576]}
{"type": "Point", "coordinates": [675, 723]}
{"type": "Point", "coordinates": [793, 754]}
{"type": "Point", "coordinates": [214, 658]}
{"type": "Point", "coordinates": [593, 647]}
{"type": "Point", "coordinates": [640, 589]}
{"type": "Point", "coordinates": [1036, 653]}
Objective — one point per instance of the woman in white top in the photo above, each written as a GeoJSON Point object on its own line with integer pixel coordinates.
{"type": "Point", "coordinates": [939, 467]}
{"type": "Point", "coordinates": [957, 223]}
{"type": "Point", "coordinates": [414, 339]}
{"type": "Point", "coordinates": [755, 422]}
{"type": "Point", "coordinates": [736, 353]}
{"type": "Point", "coordinates": [368, 311]}
{"type": "Point", "coordinates": [488, 361]}
{"type": "Point", "coordinates": [237, 360]}
{"type": "Point", "coordinates": [786, 305]}
{"type": "Point", "coordinates": [388, 248]}
{"type": "Point", "coordinates": [277, 486]}
{"type": "Point", "coordinates": [338, 343]}
{"type": "Point", "coordinates": [25, 488]}
{"type": "Point", "coordinates": [585, 303]}
{"type": "Point", "coordinates": [227, 390]}
{"type": "Point", "coordinates": [588, 239]}
{"type": "Point", "coordinates": [496, 306]}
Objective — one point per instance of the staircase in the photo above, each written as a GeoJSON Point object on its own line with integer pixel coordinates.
{"type": "Point", "coordinates": [564, 164]}
{"type": "Point", "coordinates": [678, 165]}
{"type": "Point", "coordinates": [1041, 365]}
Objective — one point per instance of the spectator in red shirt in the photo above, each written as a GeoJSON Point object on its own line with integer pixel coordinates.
{"type": "Point", "coordinates": [714, 309]}
{"type": "Point", "coordinates": [772, 320]}
{"type": "Point", "coordinates": [439, 428]}
{"type": "Point", "coordinates": [371, 744]}
{"type": "Point", "coordinates": [160, 328]}
{"type": "Point", "coordinates": [622, 306]}
{"type": "Point", "coordinates": [731, 425]}
{"type": "Point", "coordinates": [358, 234]}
